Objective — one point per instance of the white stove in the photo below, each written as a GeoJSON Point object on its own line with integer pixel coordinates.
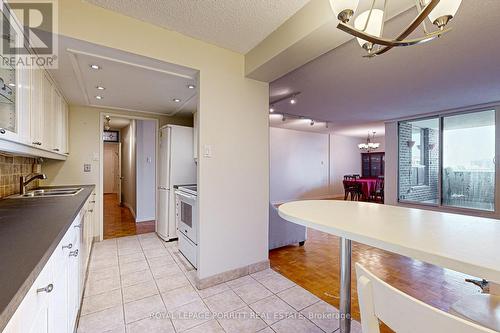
{"type": "Point", "coordinates": [186, 215]}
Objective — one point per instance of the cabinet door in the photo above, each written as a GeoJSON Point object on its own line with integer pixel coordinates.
{"type": "Point", "coordinates": [23, 105]}
{"type": "Point", "coordinates": [36, 109]}
{"type": "Point", "coordinates": [9, 116]}
{"type": "Point", "coordinates": [59, 301]}
{"type": "Point", "coordinates": [58, 121]}
{"type": "Point", "coordinates": [48, 114]}
{"type": "Point", "coordinates": [36, 310]}
{"type": "Point", "coordinates": [65, 128]}
{"type": "Point", "coordinates": [74, 276]}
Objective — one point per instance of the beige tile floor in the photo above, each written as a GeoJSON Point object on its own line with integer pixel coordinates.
{"type": "Point", "coordinates": [142, 284]}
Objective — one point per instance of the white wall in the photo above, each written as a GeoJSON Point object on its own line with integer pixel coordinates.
{"type": "Point", "coordinates": [128, 139]}
{"type": "Point", "coordinates": [299, 165]}
{"type": "Point", "coordinates": [391, 164]}
{"type": "Point", "coordinates": [233, 117]}
{"type": "Point", "coordinates": [345, 160]}
{"type": "Point", "coordinates": [146, 170]}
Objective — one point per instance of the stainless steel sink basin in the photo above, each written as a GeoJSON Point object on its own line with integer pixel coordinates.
{"type": "Point", "coordinates": [49, 192]}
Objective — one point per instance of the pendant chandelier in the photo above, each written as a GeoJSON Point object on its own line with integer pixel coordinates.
{"type": "Point", "coordinates": [369, 25]}
{"type": "Point", "coordinates": [369, 145]}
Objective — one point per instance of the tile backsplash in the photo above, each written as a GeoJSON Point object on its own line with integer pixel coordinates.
{"type": "Point", "coordinates": [11, 170]}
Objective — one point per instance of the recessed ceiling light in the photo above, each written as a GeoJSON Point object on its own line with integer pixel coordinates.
{"type": "Point", "coordinates": [176, 100]}
{"type": "Point", "coordinates": [293, 100]}
{"type": "Point", "coordinates": [191, 86]}
{"type": "Point", "coordinates": [96, 67]}
{"type": "Point", "coordinates": [100, 88]}
{"type": "Point", "coordinates": [99, 97]}
{"type": "Point", "coordinates": [272, 109]}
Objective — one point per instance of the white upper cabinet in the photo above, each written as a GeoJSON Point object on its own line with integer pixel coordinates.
{"type": "Point", "coordinates": [10, 119]}
{"type": "Point", "coordinates": [33, 112]}
{"type": "Point", "coordinates": [36, 115]}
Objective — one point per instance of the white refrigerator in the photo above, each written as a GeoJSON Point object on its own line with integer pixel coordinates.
{"type": "Point", "coordinates": [176, 167]}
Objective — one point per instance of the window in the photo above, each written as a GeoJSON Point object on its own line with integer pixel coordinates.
{"type": "Point", "coordinates": [449, 161]}
{"type": "Point", "coordinates": [419, 161]}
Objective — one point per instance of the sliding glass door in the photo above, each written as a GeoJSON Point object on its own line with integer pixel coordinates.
{"type": "Point", "coordinates": [449, 161]}
{"type": "Point", "coordinates": [469, 160]}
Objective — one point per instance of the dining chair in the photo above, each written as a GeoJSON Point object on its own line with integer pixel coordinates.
{"type": "Point", "coordinates": [378, 301]}
{"type": "Point", "coordinates": [351, 188]}
{"type": "Point", "coordinates": [379, 189]}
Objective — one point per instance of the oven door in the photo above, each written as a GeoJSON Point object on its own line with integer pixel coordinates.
{"type": "Point", "coordinates": [186, 215]}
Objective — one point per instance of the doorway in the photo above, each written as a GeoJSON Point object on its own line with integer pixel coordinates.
{"type": "Point", "coordinates": [129, 175]}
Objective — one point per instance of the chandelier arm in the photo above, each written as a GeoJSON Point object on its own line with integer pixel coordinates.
{"type": "Point", "coordinates": [389, 42]}
{"type": "Point", "coordinates": [418, 4]}
{"type": "Point", "coordinates": [369, 15]}
{"type": "Point", "coordinates": [413, 25]}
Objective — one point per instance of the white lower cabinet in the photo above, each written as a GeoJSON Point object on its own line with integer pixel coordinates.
{"type": "Point", "coordinates": [53, 301]}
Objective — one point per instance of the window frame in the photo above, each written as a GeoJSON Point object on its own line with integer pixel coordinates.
{"type": "Point", "coordinates": [440, 205]}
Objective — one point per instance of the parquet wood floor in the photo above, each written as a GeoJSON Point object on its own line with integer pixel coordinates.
{"type": "Point", "coordinates": [315, 267]}
{"type": "Point", "coordinates": [119, 221]}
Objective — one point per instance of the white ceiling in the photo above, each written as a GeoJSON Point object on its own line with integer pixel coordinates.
{"type": "Point", "coordinates": [233, 24]}
{"type": "Point", "coordinates": [132, 82]}
{"type": "Point", "coordinates": [460, 69]}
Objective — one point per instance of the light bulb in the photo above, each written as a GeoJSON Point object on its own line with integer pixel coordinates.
{"type": "Point", "coordinates": [344, 9]}
{"type": "Point", "coordinates": [443, 12]}
{"type": "Point", "coordinates": [271, 109]}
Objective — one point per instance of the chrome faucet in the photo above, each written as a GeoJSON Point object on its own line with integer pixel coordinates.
{"type": "Point", "coordinates": [25, 180]}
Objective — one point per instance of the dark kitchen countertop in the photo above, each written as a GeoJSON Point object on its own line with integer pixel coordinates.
{"type": "Point", "coordinates": [30, 229]}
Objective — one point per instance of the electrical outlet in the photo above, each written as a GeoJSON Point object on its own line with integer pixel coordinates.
{"type": "Point", "coordinates": [87, 167]}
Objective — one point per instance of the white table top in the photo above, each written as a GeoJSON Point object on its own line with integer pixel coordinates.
{"type": "Point", "coordinates": [466, 244]}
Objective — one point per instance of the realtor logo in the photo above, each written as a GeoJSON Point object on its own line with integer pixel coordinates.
{"type": "Point", "coordinates": [29, 33]}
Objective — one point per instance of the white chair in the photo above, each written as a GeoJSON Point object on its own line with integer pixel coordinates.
{"type": "Point", "coordinates": [402, 313]}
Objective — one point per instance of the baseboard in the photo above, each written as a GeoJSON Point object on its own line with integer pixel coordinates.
{"type": "Point", "coordinates": [230, 275]}
{"type": "Point", "coordinates": [130, 208]}
{"type": "Point", "coordinates": [145, 219]}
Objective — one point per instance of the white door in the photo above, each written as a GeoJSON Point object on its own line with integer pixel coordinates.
{"type": "Point", "coordinates": [119, 176]}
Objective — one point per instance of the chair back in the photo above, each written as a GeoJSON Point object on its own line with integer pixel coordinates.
{"type": "Point", "coordinates": [401, 312]}
{"type": "Point", "coordinates": [356, 176]}
{"type": "Point", "coordinates": [348, 177]}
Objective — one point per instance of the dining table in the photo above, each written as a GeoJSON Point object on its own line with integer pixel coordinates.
{"type": "Point", "coordinates": [462, 243]}
{"type": "Point", "coordinates": [368, 185]}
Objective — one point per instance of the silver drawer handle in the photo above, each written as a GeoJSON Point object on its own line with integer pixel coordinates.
{"type": "Point", "coordinates": [69, 246]}
{"type": "Point", "coordinates": [55, 149]}
{"type": "Point", "coordinates": [37, 143]}
{"type": "Point", "coordinates": [78, 226]}
{"type": "Point", "coordinates": [47, 289]}
{"type": "Point", "coordinates": [74, 253]}
{"type": "Point", "coordinates": [92, 201]}
{"type": "Point", "coordinates": [91, 210]}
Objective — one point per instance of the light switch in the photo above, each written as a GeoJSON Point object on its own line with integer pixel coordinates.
{"type": "Point", "coordinates": [87, 167]}
{"type": "Point", "coordinates": [207, 151]}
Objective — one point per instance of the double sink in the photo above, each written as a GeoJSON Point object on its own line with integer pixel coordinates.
{"type": "Point", "coordinates": [49, 192]}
